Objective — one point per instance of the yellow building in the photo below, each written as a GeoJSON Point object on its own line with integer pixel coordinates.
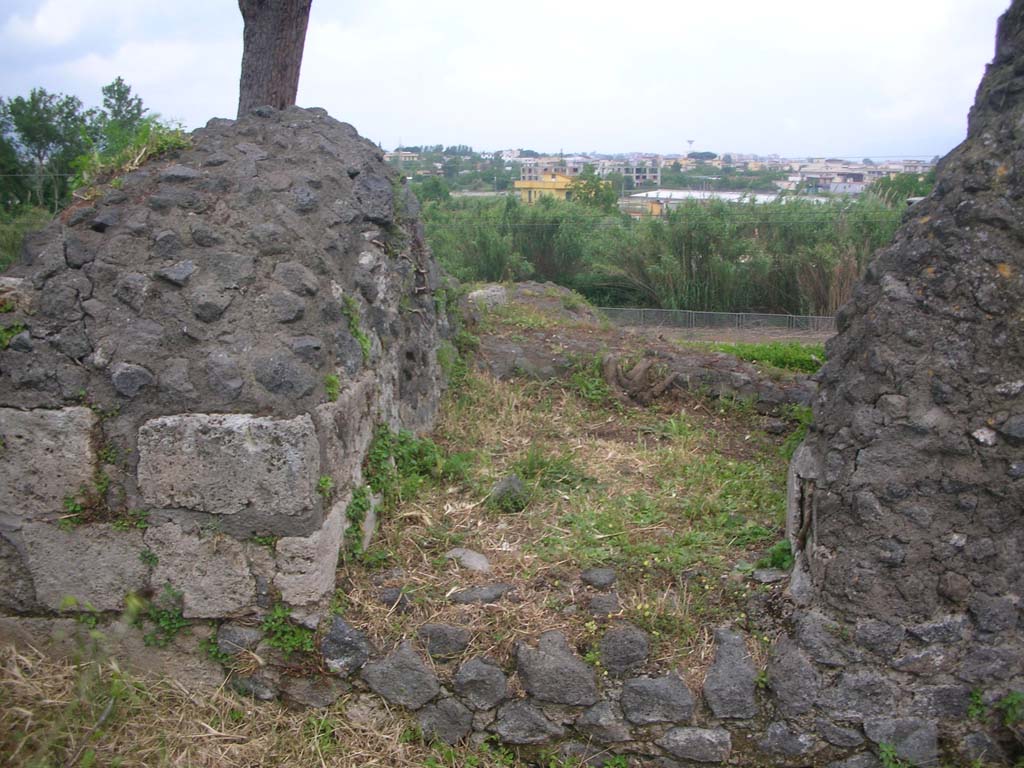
{"type": "Point", "coordinates": [553, 185]}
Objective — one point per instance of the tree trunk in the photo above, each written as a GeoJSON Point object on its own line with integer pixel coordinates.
{"type": "Point", "coordinates": [275, 33]}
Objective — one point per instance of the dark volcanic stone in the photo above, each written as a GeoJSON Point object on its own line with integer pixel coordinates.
{"type": "Point", "coordinates": [481, 683]}
{"type": "Point", "coordinates": [780, 740]}
{"type": "Point", "coordinates": [317, 692]}
{"type": "Point", "coordinates": [235, 638]}
{"type": "Point", "coordinates": [729, 685]}
{"type": "Point", "coordinates": [444, 641]}
{"type": "Point", "coordinates": [665, 699]}
{"type": "Point", "coordinates": [623, 648]}
{"type": "Point", "coordinates": [402, 678]}
{"type": "Point", "coordinates": [914, 740]}
{"type": "Point", "coordinates": [792, 677]}
{"type": "Point", "coordinates": [490, 593]}
{"type": "Point", "coordinates": [552, 673]}
{"type": "Point", "coordinates": [283, 374]}
{"type": "Point", "coordinates": [296, 278]}
{"type": "Point", "coordinates": [395, 599]}
{"type": "Point", "coordinates": [604, 605]}
{"type": "Point", "coordinates": [128, 379]}
{"type": "Point", "coordinates": [520, 722]}
{"type": "Point", "coordinates": [702, 745]}
{"type": "Point", "coordinates": [344, 648]}
{"type": "Point", "coordinates": [509, 495]}
{"type": "Point", "coordinates": [447, 721]}
{"type": "Point", "coordinates": [599, 578]}
{"type": "Point", "coordinates": [604, 722]}
{"type": "Point", "coordinates": [177, 274]}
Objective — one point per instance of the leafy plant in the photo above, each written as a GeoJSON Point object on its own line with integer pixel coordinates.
{"type": "Point", "coordinates": [165, 615]}
{"type": "Point", "coordinates": [266, 540]}
{"type": "Point", "coordinates": [9, 332]}
{"type": "Point", "coordinates": [208, 645]}
{"type": "Point", "coordinates": [148, 557]}
{"type": "Point", "coordinates": [587, 381]}
{"type": "Point", "coordinates": [355, 512]}
{"type": "Point", "coordinates": [1012, 707]}
{"type": "Point", "coordinates": [325, 486]}
{"type": "Point", "coordinates": [398, 464]}
{"type": "Point", "coordinates": [133, 518]}
{"type": "Point", "coordinates": [152, 138]}
{"type": "Point", "coordinates": [285, 635]}
{"type": "Point", "coordinates": [976, 708]}
{"type": "Point", "coordinates": [780, 556]}
{"type": "Point", "coordinates": [332, 386]}
{"type": "Point", "coordinates": [889, 757]}
{"type": "Point", "coordinates": [350, 309]}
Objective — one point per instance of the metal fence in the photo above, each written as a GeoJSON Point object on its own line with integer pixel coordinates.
{"type": "Point", "coordinates": [686, 318]}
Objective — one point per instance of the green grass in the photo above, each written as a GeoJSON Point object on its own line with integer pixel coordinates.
{"type": "Point", "coordinates": [788, 355]}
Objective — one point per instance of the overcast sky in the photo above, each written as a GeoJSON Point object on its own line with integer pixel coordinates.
{"type": "Point", "coordinates": [793, 77]}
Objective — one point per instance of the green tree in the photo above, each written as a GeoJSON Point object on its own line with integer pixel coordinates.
{"type": "Point", "coordinates": [121, 116]}
{"type": "Point", "coordinates": [49, 130]}
{"type": "Point", "coordinates": [590, 189]}
{"type": "Point", "coordinates": [432, 188]}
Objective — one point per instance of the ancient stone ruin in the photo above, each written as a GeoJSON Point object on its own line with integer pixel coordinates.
{"type": "Point", "coordinates": [214, 342]}
{"type": "Point", "coordinates": [196, 363]}
{"type": "Point", "coordinates": [906, 503]}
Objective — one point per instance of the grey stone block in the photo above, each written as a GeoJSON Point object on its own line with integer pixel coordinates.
{"type": "Point", "coordinates": [444, 641]}
{"type": "Point", "coordinates": [605, 723]}
{"type": "Point", "coordinates": [264, 470]}
{"type": "Point", "coordinates": [306, 564]}
{"type": "Point", "coordinates": [95, 565]}
{"type": "Point", "coordinates": [211, 572]}
{"type": "Point", "coordinates": [914, 739]}
{"type": "Point", "coordinates": [48, 455]}
{"type": "Point", "coordinates": [793, 679]}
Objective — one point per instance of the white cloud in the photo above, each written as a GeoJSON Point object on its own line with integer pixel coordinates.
{"type": "Point", "coordinates": [57, 22]}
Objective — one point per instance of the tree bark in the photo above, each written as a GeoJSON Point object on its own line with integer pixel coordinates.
{"type": "Point", "coordinates": [274, 36]}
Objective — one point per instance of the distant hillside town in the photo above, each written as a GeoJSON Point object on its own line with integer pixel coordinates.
{"type": "Point", "coordinates": [705, 171]}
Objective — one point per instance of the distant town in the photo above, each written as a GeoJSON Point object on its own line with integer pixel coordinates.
{"type": "Point", "coordinates": [649, 184]}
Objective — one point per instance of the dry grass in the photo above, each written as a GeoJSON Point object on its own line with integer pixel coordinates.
{"type": "Point", "coordinates": [93, 714]}
{"type": "Point", "coordinates": [669, 511]}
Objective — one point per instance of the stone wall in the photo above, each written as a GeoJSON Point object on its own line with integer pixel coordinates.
{"type": "Point", "coordinates": [197, 359]}
{"type": "Point", "coordinates": [906, 502]}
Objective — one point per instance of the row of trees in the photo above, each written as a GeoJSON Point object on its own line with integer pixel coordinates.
{"type": "Point", "coordinates": [47, 138]}
{"type": "Point", "coordinates": [789, 256]}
